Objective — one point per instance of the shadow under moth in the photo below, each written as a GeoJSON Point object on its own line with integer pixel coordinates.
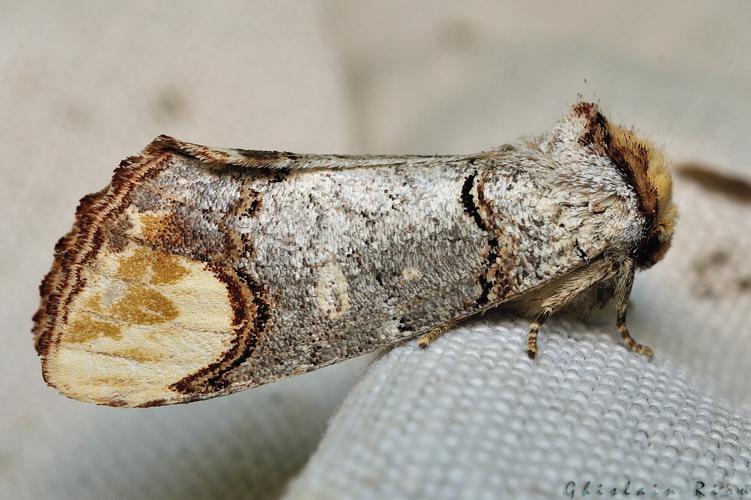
{"type": "Point", "coordinates": [199, 272]}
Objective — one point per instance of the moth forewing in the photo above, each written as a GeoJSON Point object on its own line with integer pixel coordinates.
{"type": "Point", "coordinates": [199, 272]}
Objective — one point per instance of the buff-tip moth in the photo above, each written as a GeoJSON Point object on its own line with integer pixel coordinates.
{"type": "Point", "coordinates": [199, 272]}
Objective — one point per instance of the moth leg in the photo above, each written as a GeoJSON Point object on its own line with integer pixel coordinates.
{"type": "Point", "coordinates": [623, 292]}
{"type": "Point", "coordinates": [564, 292]}
{"type": "Point", "coordinates": [428, 338]}
{"type": "Point", "coordinates": [534, 329]}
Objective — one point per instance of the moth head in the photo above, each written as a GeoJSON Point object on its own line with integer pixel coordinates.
{"type": "Point", "coordinates": [645, 168]}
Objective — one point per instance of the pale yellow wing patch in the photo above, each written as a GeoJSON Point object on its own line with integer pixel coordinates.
{"type": "Point", "coordinates": [143, 321]}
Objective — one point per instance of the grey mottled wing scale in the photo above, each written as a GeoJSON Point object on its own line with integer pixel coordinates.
{"type": "Point", "coordinates": [340, 261]}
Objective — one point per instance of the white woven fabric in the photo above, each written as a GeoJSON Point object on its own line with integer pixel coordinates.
{"type": "Point", "coordinates": [472, 417]}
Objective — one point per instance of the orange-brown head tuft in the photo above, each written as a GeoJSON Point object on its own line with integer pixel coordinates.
{"type": "Point", "coordinates": [646, 169]}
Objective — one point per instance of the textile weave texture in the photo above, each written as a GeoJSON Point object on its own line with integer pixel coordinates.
{"type": "Point", "coordinates": [472, 417]}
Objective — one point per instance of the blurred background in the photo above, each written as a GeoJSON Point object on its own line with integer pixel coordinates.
{"type": "Point", "coordinates": [85, 84]}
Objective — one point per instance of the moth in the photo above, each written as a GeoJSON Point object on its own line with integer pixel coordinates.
{"type": "Point", "coordinates": [198, 272]}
